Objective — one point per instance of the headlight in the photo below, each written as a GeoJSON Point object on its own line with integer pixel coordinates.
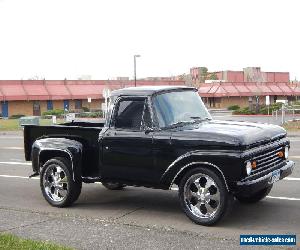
{"type": "Point", "coordinates": [286, 153]}
{"type": "Point", "coordinates": [248, 167]}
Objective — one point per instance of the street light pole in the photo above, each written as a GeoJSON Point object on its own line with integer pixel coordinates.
{"type": "Point", "coordinates": [134, 61]}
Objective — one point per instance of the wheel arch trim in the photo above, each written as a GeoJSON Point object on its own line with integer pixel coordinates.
{"type": "Point", "coordinates": [199, 163]}
{"type": "Point", "coordinates": [69, 148]}
{"type": "Point", "coordinates": [65, 151]}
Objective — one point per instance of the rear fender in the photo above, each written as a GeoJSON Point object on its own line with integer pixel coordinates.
{"type": "Point", "coordinates": [48, 148]}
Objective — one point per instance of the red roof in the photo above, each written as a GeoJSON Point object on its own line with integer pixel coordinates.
{"type": "Point", "coordinates": [65, 89]}
{"type": "Point", "coordinates": [36, 90]}
{"type": "Point", "coordinates": [247, 89]}
{"type": "Point", "coordinates": [12, 90]}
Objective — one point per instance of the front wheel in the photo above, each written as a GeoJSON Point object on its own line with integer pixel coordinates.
{"type": "Point", "coordinates": [203, 196]}
{"type": "Point", "coordinates": [57, 184]}
{"type": "Point", "coordinates": [256, 197]}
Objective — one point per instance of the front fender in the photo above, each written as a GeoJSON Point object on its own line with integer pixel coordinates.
{"type": "Point", "coordinates": [47, 148]}
{"type": "Point", "coordinates": [226, 163]}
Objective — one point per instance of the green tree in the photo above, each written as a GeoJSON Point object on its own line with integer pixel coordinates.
{"type": "Point", "coordinates": [213, 76]}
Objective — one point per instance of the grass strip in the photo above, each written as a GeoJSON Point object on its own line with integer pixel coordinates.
{"type": "Point", "coordinates": [13, 124]}
{"type": "Point", "coordinates": [12, 242]}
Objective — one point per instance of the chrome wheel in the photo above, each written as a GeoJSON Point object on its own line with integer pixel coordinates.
{"type": "Point", "coordinates": [202, 196]}
{"type": "Point", "coordinates": [55, 183]}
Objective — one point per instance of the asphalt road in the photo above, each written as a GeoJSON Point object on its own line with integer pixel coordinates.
{"type": "Point", "coordinates": [136, 218]}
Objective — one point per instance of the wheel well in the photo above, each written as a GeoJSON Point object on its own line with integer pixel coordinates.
{"type": "Point", "coordinates": [49, 154]}
{"type": "Point", "coordinates": [190, 166]}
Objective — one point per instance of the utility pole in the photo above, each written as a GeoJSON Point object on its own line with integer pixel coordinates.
{"type": "Point", "coordinates": [134, 66]}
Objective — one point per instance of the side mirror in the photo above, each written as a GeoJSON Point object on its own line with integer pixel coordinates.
{"type": "Point", "coordinates": [148, 130]}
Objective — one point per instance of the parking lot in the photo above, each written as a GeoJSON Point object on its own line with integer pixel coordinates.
{"type": "Point", "coordinates": [135, 217]}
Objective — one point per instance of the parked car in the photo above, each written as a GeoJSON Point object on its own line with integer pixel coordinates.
{"type": "Point", "coordinates": [159, 137]}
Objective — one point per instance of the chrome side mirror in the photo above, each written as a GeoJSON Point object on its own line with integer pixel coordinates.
{"type": "Point", "coordinates": [148, 130]}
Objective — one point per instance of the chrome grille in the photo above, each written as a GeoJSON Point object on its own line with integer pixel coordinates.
{"type": "Point", "coordinates": [267, 159]}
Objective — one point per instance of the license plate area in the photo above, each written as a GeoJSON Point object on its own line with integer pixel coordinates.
{"type": "Point", "coordinates": [275, 176]}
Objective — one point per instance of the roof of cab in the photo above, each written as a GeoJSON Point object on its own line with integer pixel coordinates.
{"type": "Point", "coordinates": [148, 90]}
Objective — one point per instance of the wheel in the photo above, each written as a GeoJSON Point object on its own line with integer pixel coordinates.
{"type": "Point", "coordinates": [256, 197]}
{"type": "Point", "coordinates": [203, 196]}
{"type": "Point", "coordinates": [57, 184]}
{"type": "Point", "coordinates": [113, 186]}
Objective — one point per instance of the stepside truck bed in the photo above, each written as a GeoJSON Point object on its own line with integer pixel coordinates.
{"type": "Point", "coordinates": [85, 132]}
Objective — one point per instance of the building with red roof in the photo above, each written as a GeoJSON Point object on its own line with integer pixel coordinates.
{"type": "Point", "coordinates": [33, 97]}
{"type": "Point", "coordinates": [224, 94]}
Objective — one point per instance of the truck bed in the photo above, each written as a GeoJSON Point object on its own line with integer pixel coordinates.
{"type": "Point", "coordinates": [85, 132]}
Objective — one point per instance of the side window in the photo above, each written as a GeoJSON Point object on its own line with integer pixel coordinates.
{"type": "Point", "coordinates": [129, 114]}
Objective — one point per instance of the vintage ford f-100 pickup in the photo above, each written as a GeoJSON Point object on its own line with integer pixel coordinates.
{"type": "Point", "coordinates": [159, 137]}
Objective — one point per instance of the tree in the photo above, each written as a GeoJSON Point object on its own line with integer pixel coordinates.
{"type": "Point", "coordinates": [203, 74]}
{"type": "Point", "coordinates": [213, 76]}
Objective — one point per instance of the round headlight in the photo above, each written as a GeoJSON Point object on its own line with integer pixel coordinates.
{"type": "Point", "coordinates": [248, 168]}
{"type": "Point", "coordinates": [286, 153]}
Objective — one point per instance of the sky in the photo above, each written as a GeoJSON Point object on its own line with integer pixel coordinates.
{"type": "Point", "coordinates": [57, 39]}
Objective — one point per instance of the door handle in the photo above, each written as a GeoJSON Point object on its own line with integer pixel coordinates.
{"type": "Point", "coordinates": [111, 133]}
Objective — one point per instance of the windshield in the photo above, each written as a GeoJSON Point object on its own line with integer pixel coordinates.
{"type": "Point", "coordinates": [177, 108]}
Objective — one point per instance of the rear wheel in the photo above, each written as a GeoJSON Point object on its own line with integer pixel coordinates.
{"type": "Point", "coordinates": [57, 184]}
{"type": "Point", "coordinates": [113, 186]}
{"type": "Point", "coordinates": [256, 197]}
{"type": "Point", "coordinates": [203, 196]}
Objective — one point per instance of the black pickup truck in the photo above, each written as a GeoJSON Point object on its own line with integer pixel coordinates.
{"type": "Point", "coordinates": [158, 137]}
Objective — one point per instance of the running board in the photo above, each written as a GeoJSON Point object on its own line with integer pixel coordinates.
{"type": "Point", "coordinates": [91, 179]}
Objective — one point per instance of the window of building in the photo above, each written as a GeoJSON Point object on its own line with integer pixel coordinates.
{"type": "Point", "coordinates": [49, 105]}
{"type": "Point", "coordinates": [78, 104]}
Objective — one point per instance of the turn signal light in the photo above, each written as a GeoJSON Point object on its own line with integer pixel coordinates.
{"type": "Point", "coordinates": [280, 154]}
{"type": "Point", "coordinates": [253, 165]}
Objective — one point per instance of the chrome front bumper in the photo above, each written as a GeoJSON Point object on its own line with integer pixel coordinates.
{"type": "Point", "coordinates": [255, 184]}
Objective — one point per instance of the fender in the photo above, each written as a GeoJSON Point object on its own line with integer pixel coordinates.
{"type": "Point", "coordinates": [47, 148]}
{"type": "Point", "coordinates": [226, 163]}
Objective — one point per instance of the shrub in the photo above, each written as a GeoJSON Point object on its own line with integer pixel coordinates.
{"type": "Point", "coordinates": [264, 109]}
{"type": "Point", "coordinates": [90, 115]}
{"type": "Point", "coordinates": [233, 107]}
{"type": "Point", "coordinates": [16, 116]}
{"type": "Point", "coordinates": [243, 111]}
{"type": "Point", "coordinates": [85, 109]}
{"type": "Point", "coordinates": [56, 112]}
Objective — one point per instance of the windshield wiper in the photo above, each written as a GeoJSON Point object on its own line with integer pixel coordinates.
{"type": "Point", "coordinates": [198, 118]}
{"type": "Point", "coordinates": [180, 123]}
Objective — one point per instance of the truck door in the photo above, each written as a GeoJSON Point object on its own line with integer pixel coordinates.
{"type": "Point", "coordinates": [127, 148]}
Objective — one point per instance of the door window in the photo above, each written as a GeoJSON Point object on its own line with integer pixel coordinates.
{"type": "Point", "coordinates": [129, 114]}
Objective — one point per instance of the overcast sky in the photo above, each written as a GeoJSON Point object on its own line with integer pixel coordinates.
{"type": "Point", "coordinates": [61, 38]}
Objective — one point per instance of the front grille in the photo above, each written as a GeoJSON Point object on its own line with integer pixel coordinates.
{"type": "Point", "coordinates": [267, 159]}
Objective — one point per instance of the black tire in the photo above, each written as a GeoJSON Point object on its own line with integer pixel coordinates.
{"type": "Point", "coordinates": [57, 184]}
{"type": "Point", "coordinates": [255, 197]}
{"type": "Point", "coordinates": [113, 186]}
{"type": "Point", "coordinates": [201, 190]}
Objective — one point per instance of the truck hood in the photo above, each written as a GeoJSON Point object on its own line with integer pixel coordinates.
{"type": "Point", "coordinates": [231, 133]}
